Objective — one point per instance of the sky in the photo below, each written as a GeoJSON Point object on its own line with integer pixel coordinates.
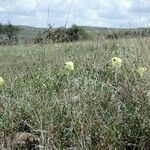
{"type": "Point", "coordinates": [101, 13]}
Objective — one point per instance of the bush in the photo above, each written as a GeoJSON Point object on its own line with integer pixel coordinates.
{"type": "Point", "coordinates": [8, 34]}
{"type": "Point", "coordinates": [75, 33]}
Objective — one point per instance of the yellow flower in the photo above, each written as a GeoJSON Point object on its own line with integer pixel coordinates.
{"type": "Point", "coordinates": [116, 61]}
{"type": "Point", "coordinates": [1, 81]}
{"type": "Point", "coordinates": [141, 71]}
{"type": "Point", "coordinates": [69, 66]}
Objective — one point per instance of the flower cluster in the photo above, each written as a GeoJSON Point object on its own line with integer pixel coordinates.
{"type": "Point", "coordinates": [115, 61]}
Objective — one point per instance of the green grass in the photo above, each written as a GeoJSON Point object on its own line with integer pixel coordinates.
{"type": "Point", "coordinates": [93, 107]}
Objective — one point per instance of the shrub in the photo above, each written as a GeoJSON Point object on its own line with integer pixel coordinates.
{"type": "Point", "coordinates": [75, 33]}
{"type": "Point", "coordinates": [8, 34]}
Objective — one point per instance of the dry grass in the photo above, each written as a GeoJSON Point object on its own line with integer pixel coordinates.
{"type": "Point", "coordinates": [94, 107]}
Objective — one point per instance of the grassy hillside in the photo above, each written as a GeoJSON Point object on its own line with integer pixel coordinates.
{"type": "Point", "coordinates": [29, 32]}
{"type": "Point", "coordinates": [96, 106]}
{"type": "Point", "coordinates": [94, 32]}
{"type": "Point", "coordinates": [33, 31]}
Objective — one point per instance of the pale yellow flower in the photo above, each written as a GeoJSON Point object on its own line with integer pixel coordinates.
{"type": "Point", "coordinates": [1, 81]}
{"type": "Point", "coordinates": [69, 66]}
{"type": "Point", "coordinates": [116, 61]}
{"type": "Point", "coordinates": [141, 71]}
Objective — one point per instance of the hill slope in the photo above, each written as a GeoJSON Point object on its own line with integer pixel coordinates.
{"type": "Point", "coordinates": [30, 32]}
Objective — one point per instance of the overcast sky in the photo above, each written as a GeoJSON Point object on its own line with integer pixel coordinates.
{"type": "Point", "coordinates": [103, 13]}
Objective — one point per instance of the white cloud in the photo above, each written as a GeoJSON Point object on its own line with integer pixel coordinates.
{"type": "Point", "coordinates": [2, 10]}
{"type": "Point", "coordinates": [114, 13]}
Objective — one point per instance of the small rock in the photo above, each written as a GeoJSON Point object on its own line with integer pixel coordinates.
{"type": "Point", "coordinates": [25, 141]}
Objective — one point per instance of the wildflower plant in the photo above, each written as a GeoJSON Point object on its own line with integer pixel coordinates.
{"type": "Point", "coordinates": [141, 71]}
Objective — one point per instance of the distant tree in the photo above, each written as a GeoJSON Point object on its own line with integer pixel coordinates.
{"type": "Point", "coordinates": [11, 32]}
{"type": "Point", "coordinates": [74, 33]}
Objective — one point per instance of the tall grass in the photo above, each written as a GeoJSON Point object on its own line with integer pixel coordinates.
{"type": "Point", "coordinates": [93, 107]}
